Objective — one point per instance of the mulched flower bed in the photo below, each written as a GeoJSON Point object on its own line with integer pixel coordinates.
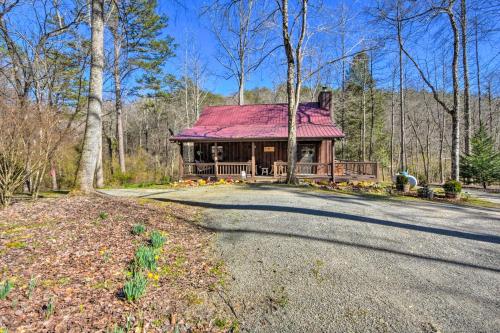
{"type": "Point", "coordinates": [68, 259]}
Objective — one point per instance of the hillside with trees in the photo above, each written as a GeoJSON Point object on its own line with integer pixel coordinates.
{"type": "Point", "coordinates": [92, 93]}
{"type": "Point", "coordinates": [249, 166]}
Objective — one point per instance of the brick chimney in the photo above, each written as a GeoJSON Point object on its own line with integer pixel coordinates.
{"type": "Point", "coordinates": [325, 101]}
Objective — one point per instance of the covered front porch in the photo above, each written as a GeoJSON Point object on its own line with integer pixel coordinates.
{"type": "Point", "coordinates": [267, 160]}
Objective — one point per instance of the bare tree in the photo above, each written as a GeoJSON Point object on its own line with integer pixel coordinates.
{"type": "Point", "coordinates": [117, 77]}
{"type": "Point", "coordinates": [391, 153]}
{"type": "Point", "coordinates": [467, 115]}
{"type": "Point", "coordinates": [478, 69]}
{"type": "Point", "coordinates": [241, 29]}
{"type": "Point", "coordinates": [343, 33]}
{"type": "Point", "coordinates": [402, 152]}
{"type": "Point", "coordinates": [93, 129]}
{"type": "Point", "coordinates": [454, 109]}
{"type": "Point", "coordinates": [399, 16]}
{"type": "Point", "coordinates": [294, 56]}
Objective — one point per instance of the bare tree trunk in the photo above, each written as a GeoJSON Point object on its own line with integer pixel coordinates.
{"type": "Point", "coordinates": [372, 119]}
{"type": "Point", "coordinates": [343, 93]}
{"type": "Point", "coordinates": [442, 133]}
{"type": "Point", "coordinates": [186, 91]}
{"type": "Point", "coordinates": [490, 109]}
{"type": "Point", "coordinates": [402, 153]}
{"type": "Point", "coordinates": [109, 142]}
{"type": "Point", "coordinates": [363, 124]}
{"type": "Point", "coordinates": [392, 125]}
{"type": "Point", "coordinates": [241, 87]}
{"type": "Point", "coordinates": [478, 71]}
{"type": "Point", "coordinates": [292, 125]}
{"type": "Point", "coordinates": [99, 169]}
{"type": "Point", "coordinates": [53, 176]}
{"type": "Point", "coordinates": [244, 18]}
{"type": "Point", "coordinates": [455, 111]}
{"type": "Point", "coordinates": [441, 149]}
{"type": "Point", "coordinates": [118, 99]}
{"type": "Point", "coordinates": [294, 84]}
{"type": "Point", "coordinates": [342, 28]}
{"type": "Point", "coordinates": [467, 115]}
{"type": "Point", "coordinates": [93, 129]}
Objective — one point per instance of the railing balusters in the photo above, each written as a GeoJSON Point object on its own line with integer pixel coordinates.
{"type": "Point", "coordinates": [342, 168]}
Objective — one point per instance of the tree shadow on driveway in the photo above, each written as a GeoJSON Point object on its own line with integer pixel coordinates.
{"type": "Point", "coordinates": [314, 212]}
{"type": "Point", "coordinates": [362, 219]}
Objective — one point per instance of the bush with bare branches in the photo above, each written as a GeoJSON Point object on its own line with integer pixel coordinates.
{"type": "Point", "coordinates": [29, 136]}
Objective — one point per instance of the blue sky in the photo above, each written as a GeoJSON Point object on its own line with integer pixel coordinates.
{"type": "Point", "coordinates": [185, 23]}
{"type": "Point", "coordinates": [187, 26]}
{"type": "Point", "coordinates": [191, 30]}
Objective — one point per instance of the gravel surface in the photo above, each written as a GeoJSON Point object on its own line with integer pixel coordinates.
{"type": "Point", "coordinates": [482, 194]}
{"type": "Point", "coordinates": [302, 260]}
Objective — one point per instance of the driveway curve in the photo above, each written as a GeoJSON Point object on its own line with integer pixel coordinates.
{"type": "Point", "coordinates": [302, 260]}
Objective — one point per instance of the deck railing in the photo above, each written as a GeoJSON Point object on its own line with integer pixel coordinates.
{"type": "Point", "coordinates": [223, 168]}
{"type": "Point", "coordinates": [303, 169]}
{"type": "Point", "coordinates": [233, 168]}
{"type": "Point", "coordinates": [348, 169]}
{"type": "Point", "coordinates": [199, 169]}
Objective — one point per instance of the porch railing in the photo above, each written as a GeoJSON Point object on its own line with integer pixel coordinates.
{"type": "Point", "coordinates": [199, 169]}
{"type": "Point", "coordinates": [303, 169]}
{"type": "Point", "coordinates": [348, 169]}
{"type": "Point", "coordinates": [217, 169]}
{"type": "Point", "coordinates": [233, 168]}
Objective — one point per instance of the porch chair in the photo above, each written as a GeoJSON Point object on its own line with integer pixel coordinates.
{"type": "Point", "coordinates": [201, 170]}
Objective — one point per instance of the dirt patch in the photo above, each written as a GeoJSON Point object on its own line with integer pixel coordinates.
{"type": "Point", "coordinates": [68, 260]}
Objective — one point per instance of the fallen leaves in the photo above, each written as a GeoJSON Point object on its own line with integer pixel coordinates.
{"type": "Point", "coordinates": [68, 260]}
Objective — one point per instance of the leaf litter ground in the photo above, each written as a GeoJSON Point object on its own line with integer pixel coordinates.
{"type": "Point", "coordinates": [68, 260]}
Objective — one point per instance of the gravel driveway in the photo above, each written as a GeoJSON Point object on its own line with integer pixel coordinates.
{"type": "Point", "coordinates": [309, 261]}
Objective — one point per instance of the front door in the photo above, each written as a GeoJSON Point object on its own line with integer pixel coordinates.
{"type": "Point", "coordinates": [307, 154]}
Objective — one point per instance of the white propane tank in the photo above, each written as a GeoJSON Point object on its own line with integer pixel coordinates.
{"type": "Point", "coordinates": [412, 180]}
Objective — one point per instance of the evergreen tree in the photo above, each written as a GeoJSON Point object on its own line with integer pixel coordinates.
{"type": "Point", "coordinates": [139, 44]}
{"type": "Point", "coordinates": [483, 163]}
{"type": "Point", "coordinates": [364, 114]}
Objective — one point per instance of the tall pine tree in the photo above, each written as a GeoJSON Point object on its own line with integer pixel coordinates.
{"type": "Point", "coordinates": [139, 44]}
{"type": "Point", "coordinates": [364, 114]}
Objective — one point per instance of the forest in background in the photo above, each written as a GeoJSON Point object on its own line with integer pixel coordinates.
{"type": "Point", "coordinates": [396, 104]}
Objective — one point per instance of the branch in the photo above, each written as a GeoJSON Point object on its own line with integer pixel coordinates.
{"type": "Point", "coordinates": [427, 82]}
{"type": "Point", "coordinates": [331, 62]}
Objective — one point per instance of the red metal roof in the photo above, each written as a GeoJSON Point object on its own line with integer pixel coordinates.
{"type": "Point", "coordinates": [260, 121]}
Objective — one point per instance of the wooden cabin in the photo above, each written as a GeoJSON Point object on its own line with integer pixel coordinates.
{"type": "Point", "coordinates": [250, 141]}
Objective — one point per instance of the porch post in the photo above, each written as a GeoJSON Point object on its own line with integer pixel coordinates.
{"type": "Point", "coordinates": [378, 170]}
{"type": "Point", "coordinates": [253, 161]}
{"type": "Point", "coordinates": [333, 160]}
{"type": "Point", "coordinates": [181, 160]}
{"type": "Point", "coordinates": [216, 160]}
